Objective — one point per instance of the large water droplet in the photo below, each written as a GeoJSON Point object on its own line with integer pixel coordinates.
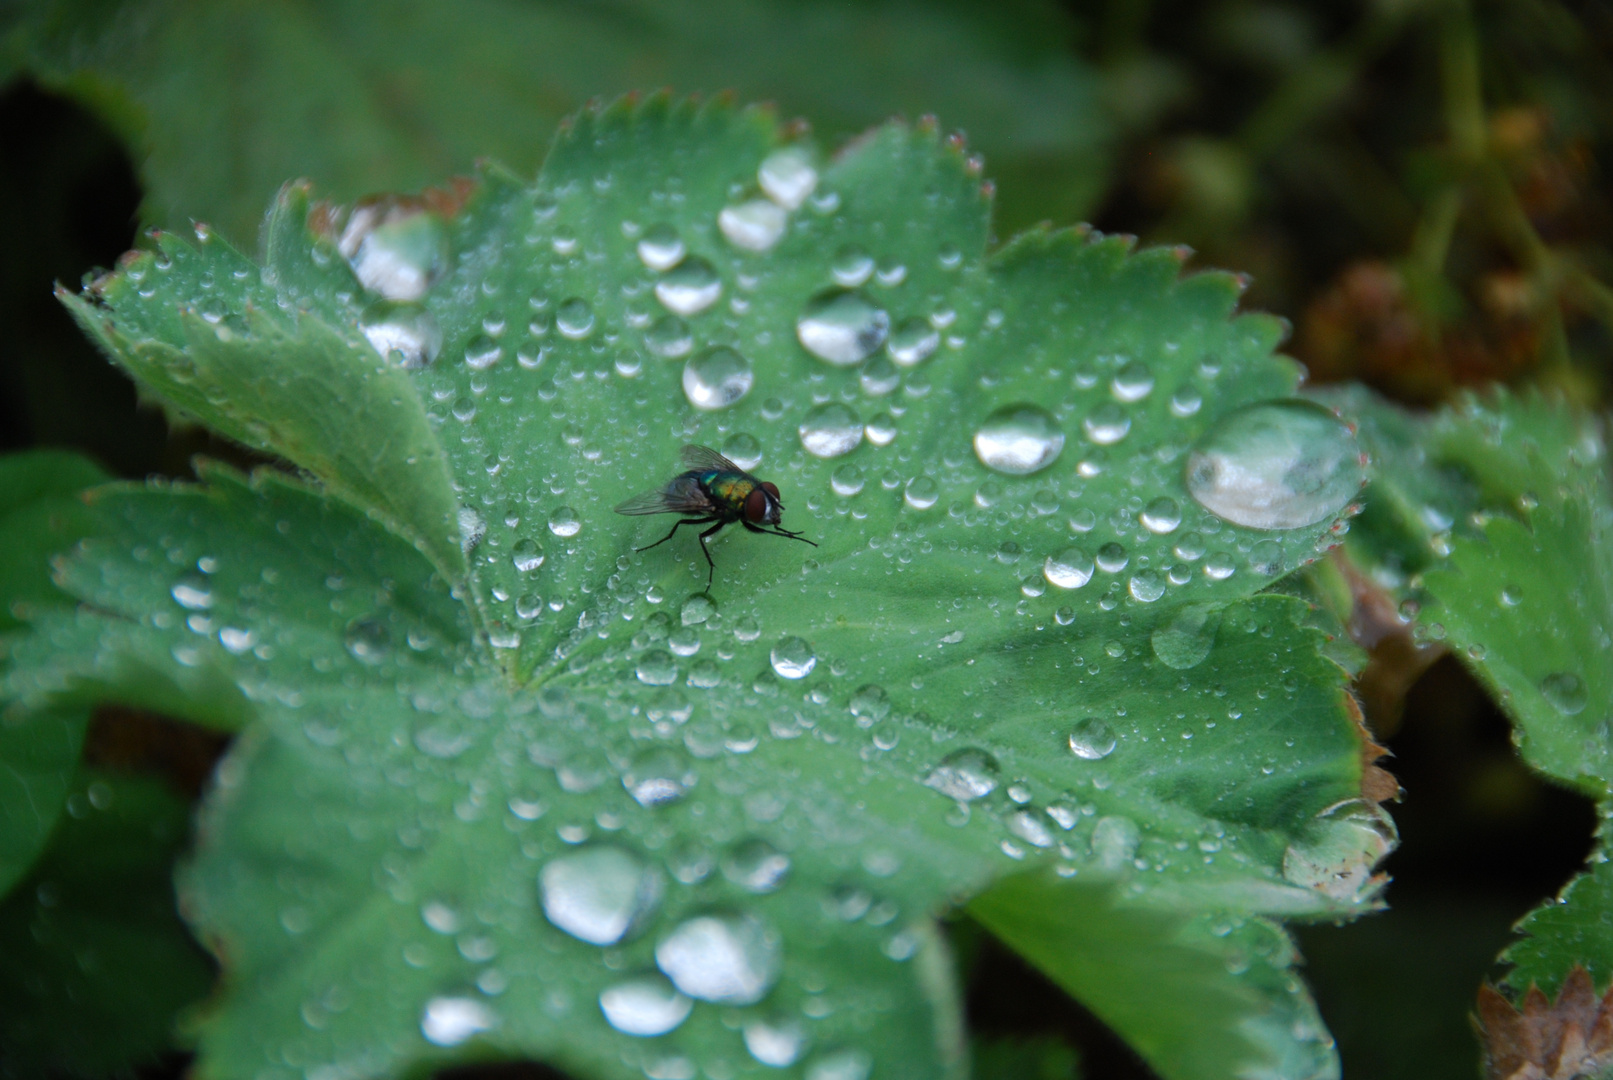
{"type": "Point", "coordinates": [755, 865]}
{"type": "Point", "coordinates": [396, 248]}
{"type": "Point", "coordinates": [731, 959]}
{"type": "Point", "coordinates": [1565, 691]}
{"type": "Point", "coordinates": [964, 775]}
{"type": "Point", "coordinates": [1276, 465]}
{"type": "Point", "coordinates": [661, 248]}
{"type": "Point", "coordinates": [716, 378]}
{"type": "Point", "coordinates": [574, 318]}
{"type": "Point", "coordinates": [656, 668]}
{"type": "Point", "coordinates": [778, 1045]}
{"type": "Point", "coordinates": [1338, 850]}
{"type": "Point", "coordinates": [449, 1021]}
{"type": "Point", "coordinates": [563, 521]}
{"type": "Point", "coordinates": [406, 334]}
{"type": "Point", "coordinates": [1186, 640]}
{"type": "Point", "coordinates": [788, 176]}
{"type": "Point", "coordinates": [690, 288]}
{"type": "Point", "coordinates": [598, 894]}
{"type": "Point", "coordinates": [1091, 739]}
{"type": "Point", "coordinates": [913, 341]}
{"type": "Point", "coordinates": [756, 225]}
{"type": "Point", "coordinates": [830, 430]}
{"type": "Point", "coordinates": [793, 658]}
{"type": "Point", "coordinates": [482, 352]}
{"type": "Point", "coordinates": [1069, 569]}
{"type": "Point", "coordinates": [527, 555]}
{"type": "Point", "coordinates": [644, 1006]}
{"type": "Point", "coordinates": [1018, 440]}
{"type": "Point", "coordinates": [842, 327]}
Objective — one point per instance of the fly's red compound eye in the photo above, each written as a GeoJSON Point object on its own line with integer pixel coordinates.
{"type": "Point", "coordinates": [768, 487]}
{"type": "Point", "coordinates": [756, 504]}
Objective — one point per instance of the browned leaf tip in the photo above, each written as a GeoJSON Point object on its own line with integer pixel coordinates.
{"type": "Point", "coordinates": [1562, 1041]}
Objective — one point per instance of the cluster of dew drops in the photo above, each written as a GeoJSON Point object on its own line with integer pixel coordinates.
{"type": "Point", "coordinates": [1269, 467]}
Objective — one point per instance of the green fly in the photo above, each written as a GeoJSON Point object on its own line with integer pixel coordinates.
{"type": "Point", "coordinates": [716, 492]}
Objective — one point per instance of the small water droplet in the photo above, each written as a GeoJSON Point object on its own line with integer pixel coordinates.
{"type": "Point", "coordinates": [1146, 586]}
{"type": "Point", "coordinates": [776, 1044]}
{"type": "Point", "coordinates": [449, 1021]}
{"type": "Point", "coordinates": [743, 450]}
{"type": "Point", "coordinates": [1069, 569]}
{"type": "Point", "coordinates": [756, 865]}
{"type": "Point", "coordinates": [1161, 516]}
{"type": "Point", "coordinates": [964, 775]}
{"type": "Point", "coordinates": [657, 777]}
{"type": "Point", "coordinates": [646, 1006]}
{"type": "Point", "coordinates": [669, 338]}
{"type": "Point", "coordinates": [1219, 566]}
{"type": "Point", "coordinates": [192, 593]}
{"type": "Point", "coordinates": [1018, 440]}
{"type": "Point", "coordinates": [1565, 692]}
{"type": "Point", "coordinates": [1266, 558]}
{"type": "Point", "coordinates": [482, 353]}
{"type": "Point", "coordinates": [756, 225]}
{"type": "Point", "coordinates": [852, 266]}
{"type": "Point", "coordinates": [913, 341]}
{"type": "Point", "coordinates": [1112, 558]}
{"type": "Point", "coordinates": [598, 894]}
{"type": "Point", "coordinates": [574, 318]}
{"type": "Point", "coordinates": [1276, 465]}
{"type": "Point", "coordinates": [367, 640]}
{"type": "Point", "coordinates": [472, 528]}
{"type": "Point", "coordinates": [830, 430]}
{"type": "Point", "coordinates": [690, 288]}
{"type": "Point", "coordinates": [879, 376]}
{"type": "Point", "coordinates": [527, 555]}
{"type": "Point", "coordinates": [793, 658]}
{"type": "Point", "coordinates": [841, 1065]}
{"type": "Point", "coordinates": [922, 493]}
{"type": "Point", "coordinates": [1114, 842]}
{"type": "Point", "coordinates": [1133, 382]}
{"type": "Point", "coordinates": [656, 668]}
{"type": "Point", "coordinates": [406, 334]}
{"type": "Point", "coordinates": [1186, 640]}
{"type": "Point", "coordinates": [661, 248]}
{"type": "Point", "coordinates": [565, 522]}
{"type": "Point", "coordinates": [787, 176]}
{"type": "Point", "coordinates": [716, 378]}
{"type": "Point", "coordinates": [846, 481]}
{"type": "Point", "coordinates": [881, 430]}
{"type": "Point", "coordinates": [842, 327]}
{"type": "Point", "coordinates": [1091, 739]}
{"type": "Point", "coordinates": [1107, 424]}
{"type": "Point", "coordinates": [731, 959]}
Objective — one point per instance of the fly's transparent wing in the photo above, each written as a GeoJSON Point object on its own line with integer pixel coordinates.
{"type": "Point", "coordinates": [681, 495]}
{"type": "Point", "coordinates": [704, 459]}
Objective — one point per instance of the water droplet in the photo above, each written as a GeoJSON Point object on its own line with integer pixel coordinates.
{"type": "Point", "coordinates": [657, 777]}
{"type": "Point", "coordinates": [1018, 440]}
{"type": "Point", "coordinates": [846, 480]}
{"type": "Point", "coordinates": [879, 376]}
{"type": "Point", "coordinates": [778, 1044]}
{"type": "Point", "coordinates": [696, 610]}
{"type": "Point", "coordinates": [716, 378]}
{"type": "Point", "coordinates": [1029, 827]}
{"type": "Point", "coordinates": [1565, 691]}
{"type": "Point", "coordinates": [669, 338]}
{"type": "Point", "coordinates": [1186, 640]}
{"type": "Point", "coordinates": [1338, 849]}
{"type": "Point", "coordinates": [472, 528]}
{"type": "Point", "coordinates": [1069, 569]}
{"type": "Point", "coordinates": [788, 176]}
{"type": "Point", "coordinates": [922, 493]}
{"type": "Point", "coordinates": [743, 450]}
{"type": "Point", "coordinates": [1161, 516]}
{"type": "Point", "coordinates": [842, 327]}
{"type": "Point", "coordinates": [527, 555]}
{"type": "Point", "coordinates": [565, 522]}
{"type": "Point", "coordinates": [482, 353]}
{"type": "Point", "coordinates": [367, 640]}
{"type": "Point", "coordinates": [841, 1065]}
{"type": "Point", "coordinates": [830, 430]}
{"type": "Point", "coordinates": [574, 318]}
{"type": "Point", "coordinates": [1091, 739]}
{"type": "Point", "coordinates": [192, 593]}
{"type": "Point", "coordinates": [396, 249]}
{"type": "Point", "coordinates": [656, 668]}
{"type": "Point", "coordinates": [852, 266]}
{"type": "Point", "coordinates": [1276, 465]}
{"type": "Point", "coordinates": [793, 658]}
{"type": "Point", "coordinates": [1186, 402]}
{"type": "Point", "coordinates": [756, 225]}
{"type": "Point", "coordinates": [661, 248]}
{"type": "Point", "coordinates": [1112, 558]}
{"type": "Point", "coordinates": [731, 959]}
{"type": "Point", "coordinates": [645, 1006]}
{"type": "Point", "coordinates": [1133, 382]}
{"type": "Point", "coordinates": [755, 865]}
{"type": "Point", "coordinates": [881, 430]}
{"type": "Point", "coordinates": [598, 894]}
{"type": "Point", "coordinates": [1114, 842]}
{"type": "Point", "coordinates": [690, 288]}
{"type": "Point", "coordinates": [449, 1021]}
{"type": "Point", "coordinates": [913, 341]}
{"type": "Point", "coordinates": [1146, 586]}
{"type": "Point", "coordinates": [1219, 566]}
{"type": "Point", "coordinates": [406, 334]}
{"type": "Point", "coordinates": [1107, 424]}
{"type": "Point", "coordinates": [964, 775]}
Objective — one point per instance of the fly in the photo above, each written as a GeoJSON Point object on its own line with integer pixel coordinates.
{"type": "Point", "coordinates": [716, 492]}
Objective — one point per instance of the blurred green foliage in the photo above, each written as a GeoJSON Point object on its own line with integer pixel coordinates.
{"type": "Point", "coordinates": [1417, 185]}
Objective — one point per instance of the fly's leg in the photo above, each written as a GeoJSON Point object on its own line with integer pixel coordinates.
{"type": "Point", "coordinates": [779, 530]}
{"type": "Point", "coordinates": [711, 571]}
{"type": "Point", "coordinates": [668, 536]}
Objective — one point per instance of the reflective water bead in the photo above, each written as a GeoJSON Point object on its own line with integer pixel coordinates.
{"type": "Point", "coordinates": [922, 493]}
{"type": "Point", "coordinates": [913, 341]}
{"type": "Point", "coordinates": [731, 959]}
{"type": "Point", "coordinates": [778, 1045]}
{"type": "Point", "coordinates": [1069, 569]}
{"type": "Point", "coordinates": [716, 378]}
{"type": "Point", "coordinates": [689, 288]}
{"type": "Point", "coordinates": [846, 481]}
{"type": "Point", "coordinates": [1112, 558]}
{"type": "Point", "coordinates": [574, 318]}
{"type": "Point", "coordinates": [598, 894]}
{"type": "Point", "coordinates": [397, 248]}
{"type": "Point", "coordinates": [645, 1006]}
{"type": "Point", "coordinates": [787, 176]}
{"type": "Point", "coordinates": [756, 866]}
{"type": "Point", "coordinates": [842, 327]}
{"type": "Point", "coordinates": [1107, 424]}
{"type": "Point", "coordinates": [879, 376]}
{"type": "Point", "coordinates": [565, 522]}
{"type": "Point", "coordinates": [852, 266]}
{"type": "Point", "coordinates": [964, 775]}
{"type": "Point", "coordinates": [669, 337]}
{"type": "Point", "coordinates": [1565, 692]}
{"type": "Point", "coordinates": [882, 429]}
{"type": "Point", "coordinates": [830, 430]}
{"type": "Point", "coordinates": [743, 450]}
{"type": "Point", "coordinates": [1133, 382]}
{"type": "Point", "coordinates": [1018, 440]}
{"type": "Point", "coordinates": [1276, 465]}
{"type": "Point", "coordinates": [449, 1021]}
{"type": "Point", "coordinates": [527, 555]}
{"type": "Point", "coordinates": [1161, 516]}
{"type": "Point", "coordinates": [1091, 739]}
{"type": "Point", "coordinates": [793, 658]}
{"type": "Point", "coordinates": [757, 225]}
{"type": "Point", "coordinates": [661, 248]}
{"type": "Point", "coordinates": [406, 334]}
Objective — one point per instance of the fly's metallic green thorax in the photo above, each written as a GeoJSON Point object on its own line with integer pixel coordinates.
{"type": "Point", "coordinates": [713, 492]}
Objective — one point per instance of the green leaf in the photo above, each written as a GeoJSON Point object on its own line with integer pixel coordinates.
{"type": "Point", "coordinates": [40, 515]}
{"type": "Point", "coordinates": [365, 99]}
{"type": "Point", "coordinates": [1008, 1058]}
{"type": "Point", "coordinates": [98, 963]}
{"type": "Point", "coordinates": [478, 818]}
